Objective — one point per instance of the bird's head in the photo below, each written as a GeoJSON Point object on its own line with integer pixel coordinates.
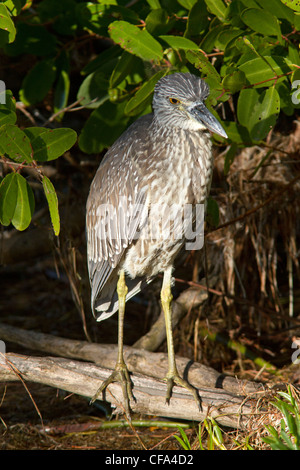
{"type": "Point", "coordinates": [178, 101]}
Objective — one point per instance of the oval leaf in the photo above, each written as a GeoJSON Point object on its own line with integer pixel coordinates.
{"type": "Point", "coordinates": [178, 42]}
{"type": "Point", "coordinates": [261, 21]}
{"type": "Point", "coordinates": [122, 69]}
{"type": "Point", "coordinates": [7, 110]}
{"type": "Point", "coordinates": [135, 40]}
{"type": "Point", "coordinates": [246, 102]}
{"type": "Point", "coordinates": [37, 82]}
{"type": "Point", "coordinates": [48, 144]}
{"type": "Point", "coordinates": [93, 90]}
{"type": "Point", "coordinates": [8, 198]}
{"type": "Point", "coordinates": [212, 212]}
{"type": "Point", "coordinates": [265, 114]}
{"type": "Point", "coordinates": [158, 22]}
{"type": "Point", "coordinates": [229, 157]}
{"type": "Point", "coordinates": [258, 111]}
{"type": "Point", "coordinates": [51, 197]}
{"type": "Point", "coordinates": [292, 4]}
{"type": "Point", "coordinates": [24, 206]}
{"type": "Point", "coordinates": [7, 26]}
{"type": "Point", "coordinates": [260, 70]}
{"type": "Point", "coordinates": [201, 62]}
{"type": "Point", "coordinates": [217, 7]}
{"type": "Point", "coordinates": [15, 144]}
{"type": "Point", "coordinates": [234, 81]}
{"type": "Point", "coordinates": [143, 97]}
{"type": "Point", "coordinates": [103, 127]}
{"type": "Point", "coordinates": [61, 93]}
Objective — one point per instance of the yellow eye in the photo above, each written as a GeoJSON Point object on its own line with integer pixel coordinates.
{"type": "Point", "coordinates": [174, 101]}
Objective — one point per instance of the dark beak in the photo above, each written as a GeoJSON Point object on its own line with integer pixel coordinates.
{"type": "Point", "coordinates": [201, 113]}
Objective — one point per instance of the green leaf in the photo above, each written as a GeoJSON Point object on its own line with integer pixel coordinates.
{"type": "Point", "coordinates": [261, 21]}
{"type": "Point", "coordinates": [49, 144]}
{"type": "Point", "coordinates": [144, 95]}
{"type": "Point", "coordinates": [277, 8]}
{"type": "Point", "coordinates": [7, 27]}
{"type": "Point", "coordinates": [52, 203]}
{"type": "Point", "coordinates": [24, 206]}
{"type": "Point", "coordinates": [97, 18]}
{"type": "Point", "coordinates": [61, 14]}
{"type": "Point", "coordinates": [260, 71]}
{"type": "Point", "coordinates": [225, 37]}
{"type": "Point", "coordinates": [183, 440]}
{"type": "Point", "coordinates": [8, 198]}
{"type": "Point", "coordinates": [237, 133]}
{"type": "Point", "coordinates": [37, 82]}
{"type": "Point", "coordinates": [154, 4]}
{"type": "Point", "coordinates": [109, 54]}
{"type": "Point", "coordinates": [61, 93]}
{"type": "Point", "coordinates": [201, 62]}
{"type": "Point", "coordinates": [246, 102]}
{"type": "Point", "coordinates": [32, 39]}
{"type": "Point", "coordinates": [293, 55]}
{"type": "Point", "coordinates": [209, 41]}
{"type": "Point", "coordinates": [7, 110]}
{"type": "Point", "coordinates": [258, 111]}
{"type": "Point", "coordinates": [229, 157]}
{"type": "Point", "coordinates": [286, 104]}
{"type": "Point", "coordinates": [212, 212]}
{"type": "Point", "coordinates": [188, 4]}
{"type": "Point", "coordinates": [292, 4]}
{"type": "Point", "coordinates": [103, 127]}
{"type": "Point", "coordinates": [62, 86]}
{"type": "Point", "coordinates": [94, 89]}
{"type": "Point", "coordinates": [158, 22]}
{"type": "Point", "coordinates": [178, 42]}
{"type": "Point", "coordinates": [197, 20]}
{"type": "Point", "coordinates": [122, 69]}
{"type": "Point", "coordinates": [234, 81]}
{"type": "Point", "coordinates": [135, 40]}
{"type": "Point", "coordinates": [217, 7]}
{"type": "Point", "coordinates": [13, 6]}
{"type": "Point", "coordinates": [15, 144]}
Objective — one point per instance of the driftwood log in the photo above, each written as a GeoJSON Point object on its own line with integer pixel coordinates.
{"type": "Point", "coordinates": [224, 398]}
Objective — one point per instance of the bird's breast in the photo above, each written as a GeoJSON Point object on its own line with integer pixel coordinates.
{"type": "Point", "coordinates": [183, 172]}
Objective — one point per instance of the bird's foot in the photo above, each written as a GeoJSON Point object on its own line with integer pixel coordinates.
{"type": "Point", "coordinates": [174, 378]}
{"type": "Point", "coordinates": [120, 375]}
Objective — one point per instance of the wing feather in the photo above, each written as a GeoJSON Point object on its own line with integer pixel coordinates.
{"type": "Point", "coordinates": [116, 210]}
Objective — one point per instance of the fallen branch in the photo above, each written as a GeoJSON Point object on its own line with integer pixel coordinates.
{"type": "Point", "coordinates": [84, 379]}
{"type": "Point", "coordinates": [138, 360]}
{"type": "Point", "coordinates": [221, 396]}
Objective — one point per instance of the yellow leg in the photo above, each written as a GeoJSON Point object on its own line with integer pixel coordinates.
{"type": "Point", "coordinates": [172, 375]}
{"type": "Point", "coordinates": [120, 374]}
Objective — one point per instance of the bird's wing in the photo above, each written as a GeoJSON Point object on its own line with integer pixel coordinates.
{"type": "Point", "coordinates": [116, 209]}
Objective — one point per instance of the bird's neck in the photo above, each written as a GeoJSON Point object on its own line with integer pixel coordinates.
{"type": "Point", "coordinates": [192, 139]}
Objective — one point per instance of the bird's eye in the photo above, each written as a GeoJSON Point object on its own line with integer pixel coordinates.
{"type": "Point", "coordinates": [174, 100]}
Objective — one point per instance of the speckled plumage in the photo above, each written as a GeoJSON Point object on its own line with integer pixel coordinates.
{"type": "Point", "coordinates": [163, 158]}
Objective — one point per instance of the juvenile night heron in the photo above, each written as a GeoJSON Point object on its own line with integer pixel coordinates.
{"type": "Point", "coordinates": [163, 159]}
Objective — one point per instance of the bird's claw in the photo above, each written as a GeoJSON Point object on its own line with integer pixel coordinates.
{"type": "Point", "coordinates": [176, 379]}
{"type": "Point", "coordinates": [120, 375]}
